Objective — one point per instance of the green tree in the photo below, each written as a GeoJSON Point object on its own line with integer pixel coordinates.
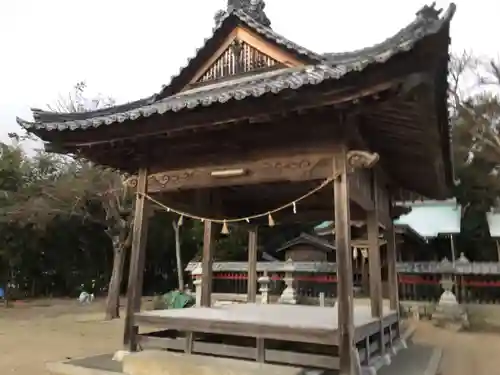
{"type": "Point", "coordinates": [60, 186]}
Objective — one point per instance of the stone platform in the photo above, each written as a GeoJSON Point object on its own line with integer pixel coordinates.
{"type": "Point", "coordinates": [417, 360]}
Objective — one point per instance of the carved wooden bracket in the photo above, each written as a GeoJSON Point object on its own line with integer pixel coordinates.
{"type": "Point", "coordinates": [361, 159]}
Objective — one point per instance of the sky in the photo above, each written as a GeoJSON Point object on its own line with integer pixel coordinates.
{"type": "Point", "coordinates": [128, 49]}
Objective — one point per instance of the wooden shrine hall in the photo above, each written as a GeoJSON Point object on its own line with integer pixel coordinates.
{"type": "Point", "coordinates": [258, 130]}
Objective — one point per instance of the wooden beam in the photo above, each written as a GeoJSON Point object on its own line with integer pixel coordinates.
{"type": "Point", "coordinates": [206, 263]}
{"type": "Point", "coordinates": [359, 188]}
{"type": "Point", "coordinates": [381, 193]}
{"type": "Point", "coordinates": [361, 141]}
{"type": "Point", "coordinates": [344, 264]}
{"type": "Point", "coordinates": [392, 276]}
{"type": "Point", "coordinates": [252, 265]}
{"type": "Point", "coordinates": [285, 168]}
{"type": "Point", "coordinates": [376, 301]}
{"type": "Point", "coordinates": [198, 152]}
{"type": "Point", "coordinates": [137, 257]}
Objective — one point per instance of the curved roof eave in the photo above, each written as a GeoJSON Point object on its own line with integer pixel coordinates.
{"type": "Point", "coordinates": [427, 18]}
{"type": "Point", "coordinates": [335, 66]}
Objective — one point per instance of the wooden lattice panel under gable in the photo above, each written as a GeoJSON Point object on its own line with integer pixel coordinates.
{"type": "Point", "coordinates": [240, 57]}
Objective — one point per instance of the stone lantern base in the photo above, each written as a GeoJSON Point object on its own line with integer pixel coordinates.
{"type": "Point", "coordinates": [448, 311]}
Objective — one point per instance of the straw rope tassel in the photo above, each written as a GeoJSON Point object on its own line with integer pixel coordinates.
{"type": "Point", "coordinates": [225, 229]}
{"type": "Point", "coordinates": [270, 220]}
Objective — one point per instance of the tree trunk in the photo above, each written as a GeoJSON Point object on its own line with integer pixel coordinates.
{"type": "Point", "coordinates": [33, 288]}
{"type": "Point", "coordinates": [180, 271]}
{"type": "Point", "coordinates": [5, 295]}
{"type": "Point", "coordinates": [113, 300]}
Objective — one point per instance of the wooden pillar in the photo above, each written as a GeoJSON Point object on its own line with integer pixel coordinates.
{"type": "Point", "coordinates": [392, 276]}
{"type": "Point", "coordinates": [137, 256]}
{"type": "Point", "coordinates": [452, 249]}
{"type": "Point", "coordinates": [207, 264]}
{"type": "Point", "coordinates": [376, 301]}
{"type": "Point", "coordinates": [365, 275]}
{"type": "Point", "coordinates": [344, 266]}
{"type": "Point", "coordinates": [178, 257]}
{"type": "Point", "coordinates": [252, 265]}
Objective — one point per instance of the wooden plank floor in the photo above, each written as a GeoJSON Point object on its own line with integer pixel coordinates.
{"type": "Point", "coordinates": [290, 316]}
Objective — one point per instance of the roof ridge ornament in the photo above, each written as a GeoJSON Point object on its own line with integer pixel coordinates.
{"type": "Point", "coordinates": [253, 8]}
{"type": "Point", "coordinates": [429, 12]}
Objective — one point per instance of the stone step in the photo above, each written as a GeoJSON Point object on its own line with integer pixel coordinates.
{"type": "Point", "coordinates": [416, 360]}
{"type": "Point", "coordinates": [154, 362]}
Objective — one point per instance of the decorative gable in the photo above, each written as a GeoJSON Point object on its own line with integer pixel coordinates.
{"type": "Point", "coordinates": [240, 57]}
{"type": "Point", "coordinates": [242, 51]}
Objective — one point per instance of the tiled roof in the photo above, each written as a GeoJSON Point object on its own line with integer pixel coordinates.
{"type": "Point", "coordinates": [308, 239]}
{"type": "Point", "coordinates": [269, 33]}
{"type": "Point", "coordinates": [334, 66]}
{"type": "Point", "coordinates": [426, 22]}
{"type": "Point", "coordinates": [235, 89]}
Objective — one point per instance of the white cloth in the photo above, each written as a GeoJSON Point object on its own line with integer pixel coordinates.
{"type": "Point", "coordinates": [85, 298]}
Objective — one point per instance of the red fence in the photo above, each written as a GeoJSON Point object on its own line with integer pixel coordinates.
{"type": "Point", "coordinates": [467, 288]}
{"type": "Point", "coordinates": [412, 287]}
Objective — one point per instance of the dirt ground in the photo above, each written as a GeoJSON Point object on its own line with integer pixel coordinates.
{"type": "Point", "coordinates": [464, 353]}
{"type": "Point", "coordinates": [34, 333]}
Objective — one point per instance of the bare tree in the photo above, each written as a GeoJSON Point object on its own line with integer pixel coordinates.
{"type": "Point", "coordinates": [475, 104]}
{"type": "Point", "coordinates": [87, 191]}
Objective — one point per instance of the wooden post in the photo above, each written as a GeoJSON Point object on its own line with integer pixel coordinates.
{"type": "Point", "coordinates": [178, 258]}
{"type": "Point", "coordinates": [392, 276]}
{"type": "Point", "coordinates": [137, 257]}
{"type": "Point", "coordinates": [252, 265]}
{"type": "Point", "coordinates": [374, 264]}
{"type": "Point", "coordinates": [322, 299]}
{"type": "Point", "coordinates": [452, 248]}
{"type": "Point", "coordinates": [207, 264]}
{"type": "Point", "coordinates": [344, 265]}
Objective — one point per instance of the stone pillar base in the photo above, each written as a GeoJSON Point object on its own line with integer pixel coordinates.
{"type": "Point", "coordinates": [289, 296]}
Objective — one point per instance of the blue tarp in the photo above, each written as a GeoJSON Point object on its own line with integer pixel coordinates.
{"type": "Point", "coordinates": [2, 294]}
